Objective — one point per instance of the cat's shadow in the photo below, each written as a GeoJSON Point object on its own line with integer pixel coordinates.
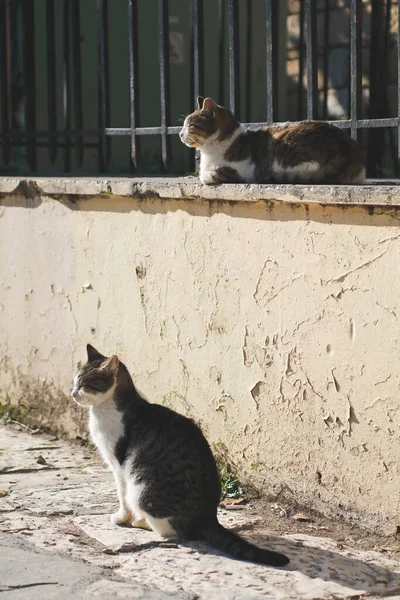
{"type": "Point", "coordinates": [318, 563]}
{"type": "Point", "coordinates": [314, 562]}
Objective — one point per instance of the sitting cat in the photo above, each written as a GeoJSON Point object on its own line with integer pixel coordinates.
{"type": "Point", "coordinates": [164, 470]}
{"type": "Point", "coordinates": [305, 152]}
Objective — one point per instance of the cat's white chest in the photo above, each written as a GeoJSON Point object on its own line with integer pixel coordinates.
{"type": "Point", "coordinates": [213, 157]}
{"type": "Point", "coordinates": [106, 428]}
{"type": "Point", "coordinates": [210, 162]}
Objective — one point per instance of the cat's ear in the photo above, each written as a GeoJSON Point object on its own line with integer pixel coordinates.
{"type": "Point", "coordinates": [111, 363]}
{"type": "Point", "coordinates": [200, 101]}
{"type": "Point", "coordinates": [210, 105]}
{"type": "Point", "coordinates": [93, 354]}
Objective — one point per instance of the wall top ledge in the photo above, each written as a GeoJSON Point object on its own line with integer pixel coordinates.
{"type": "Point", "coordinates": [373, 193]}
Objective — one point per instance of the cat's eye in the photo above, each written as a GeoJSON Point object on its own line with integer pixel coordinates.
{"type": "Point", "coordinates": [200, 128]}
{"type": "Point", "coordinates": [85, 388]}
{"type": "Point", "coordinates": [92, 388]}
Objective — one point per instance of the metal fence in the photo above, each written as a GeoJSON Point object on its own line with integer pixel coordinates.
{"type": "Point", "coordinates": [63, 138]}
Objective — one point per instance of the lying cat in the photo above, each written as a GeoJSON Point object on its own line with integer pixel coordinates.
{"type": "Point", "coordinates": [306, 152]}
{"type": "Point", "coordinates": [165, 473]}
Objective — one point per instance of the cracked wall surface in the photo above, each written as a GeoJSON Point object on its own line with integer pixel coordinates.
{"type": "Point", "coordinates": [274, 326]}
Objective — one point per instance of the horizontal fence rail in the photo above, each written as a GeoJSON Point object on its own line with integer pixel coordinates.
{"type": "Point", "coordinates": [242, 69]}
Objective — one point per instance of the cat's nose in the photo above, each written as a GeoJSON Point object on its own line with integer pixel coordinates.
{"type": "Point", "coordinates": [74, 393]}
{"type": "Point", "coordinates": [181, 134]}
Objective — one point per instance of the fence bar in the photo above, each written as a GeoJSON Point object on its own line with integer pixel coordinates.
{"type": "Point", "coordinates": [197, 48]}
{"type": "Point", "coordinates": [346, 124]}
{"type": "Point", "coordinates": [355, 63]}
{"type": "Point", "coordinates": [116, 131]}
{"type": "Point", "coordinates": [104, 83]}
{"type": "Point", "coordinates": [164, 79]}
{"type": "Point", "coordinates": [311, 57]}
{"type": "Point", "coordinates": [248, 59]}
{"type": "Point", "coordinates": [77, 76]}
{"type": "Point", "coordinates": [270, 74]}
{"type": "Point", "coordinates": [4, 85]}
{"type": "Point", "coordinates": [28, 33]}
{"type": "Point", "coordinates": [398, 80]}
{"type": "Point", "coordinates": [221, 51]}
{"type": "Point", "coordinates": [133, 76]}
{"type": "Point", "coordinates": [388, 19]}
{"type": "Point", "coordinates": [392, 134]}
{"type": "Point", "coordinates": [198, 53]}
{"type": "Point", "coordinates": [51, 78]}
{"type": "Point", "coordinates": [66, 86]}
{"type": "Point", "coordinates": [234, 66]}
{"type": "Point", "coordinates": [46, 145]}
{"type": "Point", "coordinates": [377, 83]}
{"type": "Point", "coordinates": [327, 14]}
{"type": "Point", "coordinates": [300, 89]}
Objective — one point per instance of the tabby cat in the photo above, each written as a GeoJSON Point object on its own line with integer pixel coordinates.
{"type": "Point", "coordinates": [164, 470]}
{"type": "Point", "coordinates": [305, 152]}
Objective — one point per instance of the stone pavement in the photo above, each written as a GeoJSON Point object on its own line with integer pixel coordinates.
{"type": "Point", "coordinates": [29, 574]}
{"type": "Point", "coordinates": [57, 541]}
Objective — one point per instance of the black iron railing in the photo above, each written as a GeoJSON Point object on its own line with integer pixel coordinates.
{"type": "Point", "coordinates": [57, 134]}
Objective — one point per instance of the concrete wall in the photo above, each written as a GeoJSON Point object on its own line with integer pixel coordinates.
{"type": "Point", "coordinates": [274, 324]}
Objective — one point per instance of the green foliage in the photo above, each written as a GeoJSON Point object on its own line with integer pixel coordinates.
{"type": "Point", "coordinates": [231, 486]}
{"type": "Point", "coordinates": [5, 418]}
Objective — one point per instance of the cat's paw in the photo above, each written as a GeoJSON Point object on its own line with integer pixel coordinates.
{"type": "Point", "coordinates": [121, 518]}
{"type": "Point", "coordinates": [141, 524]}
{"type": "Point", "coordinates": [207, 177]}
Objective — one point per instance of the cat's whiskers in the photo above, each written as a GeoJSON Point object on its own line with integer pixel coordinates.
{"type": "Point", "coordinates": [189, 140]}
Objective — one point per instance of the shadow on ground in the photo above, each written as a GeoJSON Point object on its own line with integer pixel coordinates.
{"type": "Point", "coordinates": [319, 563]}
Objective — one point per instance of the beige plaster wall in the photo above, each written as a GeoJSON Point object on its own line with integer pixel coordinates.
{"type": "Point", "coordinates": [275, 326]}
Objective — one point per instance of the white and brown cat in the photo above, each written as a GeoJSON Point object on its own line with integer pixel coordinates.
{"type": "Point", "coordinates": [305, 152]}
{"type": "Point", "coordinates": [166, 476]}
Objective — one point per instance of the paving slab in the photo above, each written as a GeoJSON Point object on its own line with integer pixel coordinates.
{"type": "Point", "coordinates": [316, 568]}
{"type": "Point", "coordinates": [26, 574]}
{"type": "Point", "coordinates": [65, 508]}
{"type": "Point", "coordinates": [105, 589]}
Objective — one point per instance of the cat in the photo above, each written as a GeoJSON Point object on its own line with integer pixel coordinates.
{"type": "Point", "coordinates": [165, 473]}
{"type": "Point", "coordinates": [306, 152]}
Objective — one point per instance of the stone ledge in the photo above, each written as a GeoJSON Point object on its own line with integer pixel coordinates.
{"type": "Point", "coordinates": [374, 193]}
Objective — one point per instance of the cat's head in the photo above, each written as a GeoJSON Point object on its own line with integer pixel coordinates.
{"type": "Point", "coordinates": [95, 383]}
{"type": "Point", "coordinates": [208, 122]}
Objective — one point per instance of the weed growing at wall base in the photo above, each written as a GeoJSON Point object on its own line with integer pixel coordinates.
{"type": "Point", "coordinates": [230, 484]}
{"type": "Point", "coordinates": [5, 418]}
{"type": "Point", "coordinates": [231, 487]}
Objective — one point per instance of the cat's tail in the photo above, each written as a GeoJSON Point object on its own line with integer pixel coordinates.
{"type": "Point", "coordinates": [231, 543]}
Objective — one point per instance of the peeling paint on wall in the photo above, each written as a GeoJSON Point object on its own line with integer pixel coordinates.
{"type": "Point", "coordinates": [274, 326]}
